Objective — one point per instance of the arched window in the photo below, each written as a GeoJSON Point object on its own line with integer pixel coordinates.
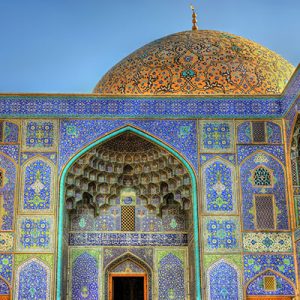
{"type": "Point", "coordinates": [262, 177]}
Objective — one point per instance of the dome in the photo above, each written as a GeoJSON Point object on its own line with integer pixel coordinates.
{"type": "Point", "coordinates": [202, 62]}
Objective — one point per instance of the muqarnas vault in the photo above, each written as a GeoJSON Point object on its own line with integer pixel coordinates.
{"type": "Point", "coordinates": [177, 178]}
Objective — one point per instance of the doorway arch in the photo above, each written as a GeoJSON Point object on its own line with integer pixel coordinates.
{"type": "Point", "coordinates": [62, 202]}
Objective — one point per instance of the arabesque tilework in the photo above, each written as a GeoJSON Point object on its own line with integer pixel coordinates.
{"type": "Point", "coordinates": [7, 192]}
{"type": "Point", "coordinates": [218, 187]}
{"type": "Point", "coordinates": [40, 134]}
{"type": "Point", "coordinates": [267, 242]}
{"type": "Point", "coordinates": [85, 277]}
{"type": "Point", "coordinates": [223, 287]}
{"type": "Point", "coordinates": [33, 281]}
{"type": "Point", "coordinates": [221, 234]}
{"type": "Point", "coordinates": [35, 234]}
{"type": "Point", "coordinates": [38, 184]}
{"type": "Point", "coordinates": [216, 136]}
{"type": "Point", "coordinates": [76, 134]}
{"type": "Point", "coordinates": [278, 190]}
{"type": "Point", "coordinates": [171, 266]}
{"type": "Point", "coordinates": [283, 286]}
{"type": "Point", "coordinates": [255, 264]}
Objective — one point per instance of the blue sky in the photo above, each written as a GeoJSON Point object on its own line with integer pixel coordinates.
{"type": "Point", "coordinates": [67, 46]}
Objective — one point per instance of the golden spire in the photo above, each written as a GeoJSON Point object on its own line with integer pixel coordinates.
{"type": "Point", "coordinates": [194, 18]}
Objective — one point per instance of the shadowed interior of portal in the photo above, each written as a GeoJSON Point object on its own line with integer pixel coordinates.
{"type": "Point", "coordinates": [128, 288]}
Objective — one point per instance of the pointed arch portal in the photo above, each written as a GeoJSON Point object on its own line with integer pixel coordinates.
{"type": "Point", "coordinates": [62, 202]}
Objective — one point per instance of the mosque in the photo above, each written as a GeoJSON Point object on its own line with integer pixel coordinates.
{"type": "Point", "coordinates": [177, 178]}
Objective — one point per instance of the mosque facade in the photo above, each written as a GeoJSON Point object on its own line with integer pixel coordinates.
{"type": "Point", "coordinates": [177, 178]}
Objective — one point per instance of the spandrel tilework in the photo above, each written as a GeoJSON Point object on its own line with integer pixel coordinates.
{"type": "Point", "coordinates": [282, 286]}
{"type": "Point", "coordinates": [75, 134]}
{"type": "Point", "coordinates": [4, 288]}
{"type": "Point", "coordinates": [255, 264]}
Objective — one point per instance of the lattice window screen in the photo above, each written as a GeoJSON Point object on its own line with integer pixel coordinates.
{"type": "Point", "coordinates": [1, 178]}
{"type": "Point", "coordinates": [264, 209]}
{"type": "Point", "coordinates": [258, 132]}
{"type": "Point", "coordinates": [269, 283]}
{"type": "Point", "coordinates": [294, 172]}
{"type": "Point", "coordinates": [262, 177]}
{"type": "Point", "coordinates": [128, 218]}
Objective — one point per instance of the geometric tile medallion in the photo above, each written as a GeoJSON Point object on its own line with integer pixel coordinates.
{"type": "Point", "coordinates": [216, 136]}
{"type": "Point", "coordinates": [35, 234]}
{"type": "Point", "coordinates": [39, 135]}
{"type": "Point", "coordinates": [221, 234]}
{"type": "Point", "coordinates": [6, 241]}
{"type": "Point", "coordinates": [267, 242]}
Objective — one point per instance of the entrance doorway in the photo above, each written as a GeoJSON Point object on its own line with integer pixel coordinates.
{"type": "Point", "coordinates": [127, 287]}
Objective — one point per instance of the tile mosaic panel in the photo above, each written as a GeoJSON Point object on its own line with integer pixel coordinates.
{"type": "Point", "coordinates": [221, 234]}
{"type": "Point", "coordinates": [38, 177]}
{"type": "Point", "coordinates": [4, 288]}
{"type": "Point", "coordinates": [127, 239]}
{"type": "Point", "coordinates": [216, 136]}
{"type": "Point", "coordinates": [233, 259]}
{"type": "Point", "coordinates": [278, 190]}
{"type": "Point", "coordinates": [221, 286]}
{"type": "Point", "coordinates": [6, 241]}
{"type": "Point", "coordinates": [11, 133]}
{"type": "Point", "coordinates": [33, 280]}
{"type": "Point", "coordinates": [28, 155]}
{"type": "Point", "coordinates": [256, 287]}
{"type": "Point", "coordinates": [145, 254]}
{"type": "Point", "coordinates": [127, 267]}
{"type": "Point", "coordinates": [298, 255]}
{"type": "Point", "coordinates": [218, 187]}
{"type": "Point", "coordinates": [98, 106]}
{"type": "Point", "coordinates": [206, 157]}
{"type": "Point", "coordinates": [244, 135]}
{"type": "Point", "coordinates": [6, 265]}
{"type": "Point", "coordinates": [247, 150]}
{"type": "Point", "coordinates": [289, 120]}
{"type": "Point", "coordinates": [171, 274]}
{"type": "Point", "coordinates": [11, 151]}
{"type": "Point", "coordinates": [85, 277]}
{"type": "Point", "coordinates": [273, 133]}
{"type": "Point", "coordinates": [76, 134]}
{"type": "Point", "coordinates": [255, 264]}
{"type": "Point", "coordinates": [35, 234]}
{"type": "Point", "coordinates": [39, 135]}
{"type": "Point", "coordinates": [7, 193]}
{"type": "Point", "coordinates": [291, 92]}
{"type": "Point", "coordinates": [267, 242]}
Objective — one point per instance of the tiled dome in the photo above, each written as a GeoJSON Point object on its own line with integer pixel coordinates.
{"type": "Point", "coordinates": [202, 62]}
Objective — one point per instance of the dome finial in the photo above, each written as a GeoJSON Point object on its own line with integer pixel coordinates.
{"type": "Point", "coordinates": [194, 18]}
